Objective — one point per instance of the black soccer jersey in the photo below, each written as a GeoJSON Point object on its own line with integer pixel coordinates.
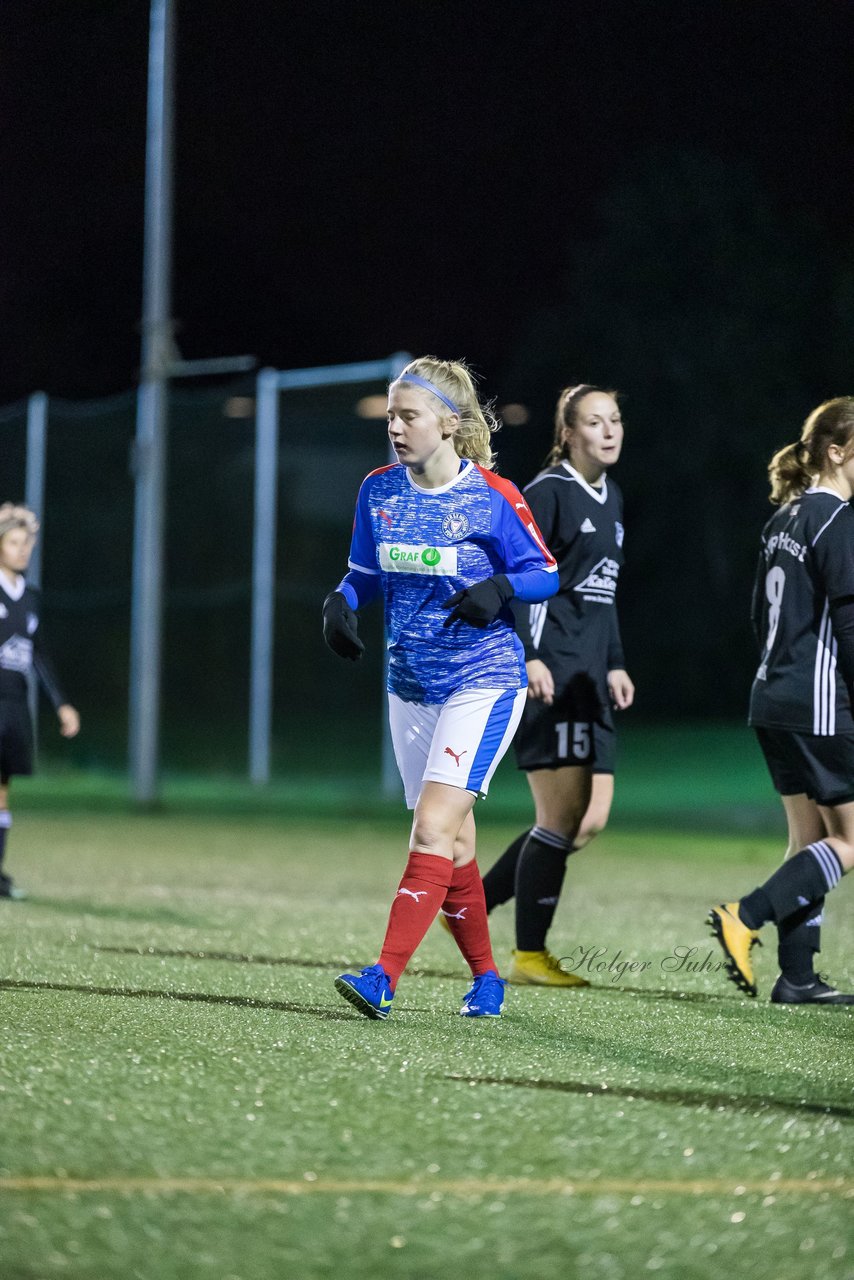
{"type": "Point", "coordinates": [806, 562]}
{"type": "Point", "coordinates": [21, 649]}
{"type": "Point", "coordinates": [576, 631]}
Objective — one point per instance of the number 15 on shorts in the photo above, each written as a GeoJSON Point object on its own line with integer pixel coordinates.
{"type": "Point", "coordinates": [573, 738]}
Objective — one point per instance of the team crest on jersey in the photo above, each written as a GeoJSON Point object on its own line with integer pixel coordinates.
{"type": "Point", "coordinates": [32, 623]}
{"type": "Point", "coordinates": [601, 582]}
{"type": "Point", "coordinates": [619, 531]}
{"type": "Point", "coordinates": [455, 525]}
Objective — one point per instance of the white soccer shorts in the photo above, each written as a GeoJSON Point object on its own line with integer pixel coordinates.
{"type": "Point", "coordinates": [459, 742]}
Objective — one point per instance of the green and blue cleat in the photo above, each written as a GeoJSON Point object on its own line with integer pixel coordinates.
{"type": "Point", "coordinates": [369, 991]}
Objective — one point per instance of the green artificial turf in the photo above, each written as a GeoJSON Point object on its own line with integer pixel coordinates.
{"type": "Point", "coordinates": [184, 1095]}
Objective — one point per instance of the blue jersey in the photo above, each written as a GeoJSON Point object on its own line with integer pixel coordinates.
{"type": "Point", "coordinates": [420, 546]}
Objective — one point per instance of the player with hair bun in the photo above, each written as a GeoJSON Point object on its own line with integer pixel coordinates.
{"type": "Point", "coordinates": [576, 675]}
{"type": "Point", "coordinates": [802, 703]}
{"type": "Point", "coordinates": [21, 651]}
{"type": "Point", "coordinates": [448, 544]}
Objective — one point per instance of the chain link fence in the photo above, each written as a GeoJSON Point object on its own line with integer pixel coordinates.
{"type": "Point", "coordinates": [324, 711]}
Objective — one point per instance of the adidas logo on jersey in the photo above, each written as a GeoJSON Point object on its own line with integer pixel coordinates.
{"type": "Point", "coordinates": [588, 526]}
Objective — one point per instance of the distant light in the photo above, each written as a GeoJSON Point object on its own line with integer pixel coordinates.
{"type": "Point", "coordinates": [372, 407]}
{"type": "Point", "coordinates": [515, 415]}
{"type": "Point", "coordinates": [239, 407]}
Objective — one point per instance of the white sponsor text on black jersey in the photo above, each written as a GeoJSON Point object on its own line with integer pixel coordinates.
{"type": "Point", "coordinates": [21, 646]}
{"type": "Point", "coordinates": [576, 631]}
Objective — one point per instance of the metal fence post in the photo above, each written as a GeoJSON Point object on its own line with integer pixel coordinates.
{"type": "Point", "coordinates": [34, 489]}
{"type": "Point", "coordinates": [263, 574]}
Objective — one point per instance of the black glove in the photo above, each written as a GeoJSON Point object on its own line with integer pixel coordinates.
{"type": "Point", "coordinates": [340, 628]}
{"type": "Point", "coordinates": [479, 605]}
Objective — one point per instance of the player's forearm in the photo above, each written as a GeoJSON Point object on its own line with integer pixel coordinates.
{"type": "Point", "coordinates": [842, 623]}
{"type": "Point", "coordinates": [616, 656]}
{"type": "Point", "coordinates": [359, 588]}
{"type": "Point", "coordinates": [46, 673]}
{"type": "Point", "coordinates": [533, 585]}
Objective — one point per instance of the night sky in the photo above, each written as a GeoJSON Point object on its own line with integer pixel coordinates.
{"type": "Point", "coordinates": [356, 178]}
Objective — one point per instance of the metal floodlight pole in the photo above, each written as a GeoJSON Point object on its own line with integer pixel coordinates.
{"type": "Point", "coordinates": [34, 487]}
{"type": "Point", "coordinates": [150, 446]}
{"type": "Point", "coordinates": [35, 478]}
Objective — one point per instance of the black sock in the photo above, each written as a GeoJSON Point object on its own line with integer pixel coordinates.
{"type": "Point", "coordinates": [499, 883]}
{"type": "Point", "coordinates": [539, 879]}
{"type": "Point", "coordinates": [5, 824]}
{"type": "Point", "coordinates": [799, 939]}
{"type": "Point", "coordinates": [804, 878]}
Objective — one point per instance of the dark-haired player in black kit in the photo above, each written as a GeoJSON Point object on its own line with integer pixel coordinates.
{"type": "Point", "coordinates": [801, 702]}
{"type": "Point", "coordinates": [21, 650]}
{"type": "Point", "coordinates": [576, 674]}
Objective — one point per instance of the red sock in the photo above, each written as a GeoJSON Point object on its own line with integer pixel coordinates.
{"type": "Point", "coordinates": [464, 909]}
{"type": "Point", "coordinates": [419, 896]}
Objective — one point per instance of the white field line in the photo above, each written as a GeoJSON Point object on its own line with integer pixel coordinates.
{"type": "Point", "coordinates": [841, 1187]}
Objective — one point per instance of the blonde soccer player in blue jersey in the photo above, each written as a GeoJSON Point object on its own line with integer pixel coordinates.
{"type": "Point", "coordinates": [448, 544]}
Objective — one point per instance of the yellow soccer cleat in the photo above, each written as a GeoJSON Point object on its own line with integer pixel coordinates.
{"type": "Point", "coordinates": [737, 941]}
{"type": "Point", "coordinates": [541, 969]}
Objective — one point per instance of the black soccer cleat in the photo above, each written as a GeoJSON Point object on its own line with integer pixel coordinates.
{"type": "Point", "coordinates": [8, 888]}
{"type": "Point", "coordinates": [816, 992]}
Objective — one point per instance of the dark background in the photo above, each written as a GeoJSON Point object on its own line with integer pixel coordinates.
{"type": "Point", "coordinates": [653, 196]}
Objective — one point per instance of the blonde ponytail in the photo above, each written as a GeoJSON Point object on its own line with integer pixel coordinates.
{"type": "Point", "coordinates": [797, 466]}
{"type": "Point", "coordinates": [788, 473]}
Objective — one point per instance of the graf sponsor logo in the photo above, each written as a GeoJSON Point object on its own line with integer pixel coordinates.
{"type": "Point", "coordinates": [397, 557]}
{"type": "Point", "coordinates": [619, 533]}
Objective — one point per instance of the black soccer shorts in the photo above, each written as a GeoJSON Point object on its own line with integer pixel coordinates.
{"type": "Point", "coordinates": [561, 735]}
{"type": "Point", "coordinates": [821, 768]}
{"type": "Point", "coordinates": [16, 738]}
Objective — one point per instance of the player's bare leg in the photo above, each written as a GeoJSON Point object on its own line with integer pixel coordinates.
{"type": "Point", "coordinates": [598, 810]}
{"type": "Point", "coordinates": [443, 823]}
